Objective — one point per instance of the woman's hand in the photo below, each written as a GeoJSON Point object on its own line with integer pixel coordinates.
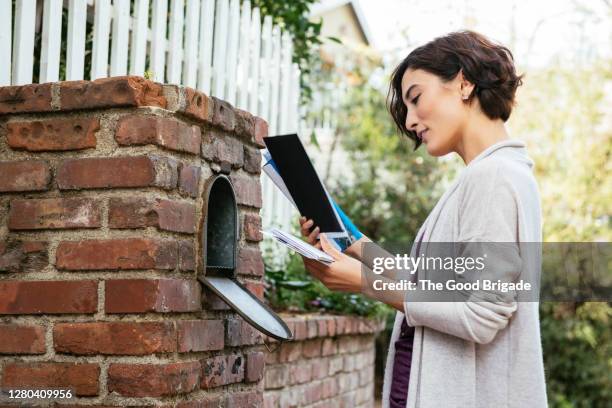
{"type": "Point", "coordinates": [311, 236]}
{"type": "Point", "coordinates": [344, 274]}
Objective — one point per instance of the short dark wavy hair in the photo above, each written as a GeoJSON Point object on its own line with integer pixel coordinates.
{"type": "Point", "coordinates": [489, 66]}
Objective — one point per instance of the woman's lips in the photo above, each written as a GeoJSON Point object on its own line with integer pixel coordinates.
{"type": "Point", "coordinates": [423, 135]}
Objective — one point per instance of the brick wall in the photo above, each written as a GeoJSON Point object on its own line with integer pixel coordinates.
{"type": "Point", "coordinates": [330, 363]}
{"type": "Point", "coordinates": [101, 189]}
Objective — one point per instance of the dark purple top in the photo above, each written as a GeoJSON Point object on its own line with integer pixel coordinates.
{"type": "Point", "coordinates": [401, 367]}
{"type": "Point", "coordinates": [403, 361]}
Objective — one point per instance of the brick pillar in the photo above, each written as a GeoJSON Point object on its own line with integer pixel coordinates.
{"type": "Point", "coordinates": [101, 189]}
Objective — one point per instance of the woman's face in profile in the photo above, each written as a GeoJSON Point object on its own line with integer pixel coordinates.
{"type": "Point", "coordinates": [435, 110]}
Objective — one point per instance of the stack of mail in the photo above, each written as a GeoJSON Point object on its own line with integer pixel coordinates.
{"type": "Point", "coordinates": [299, 246]}
{"type": "Point", "coordinates": [270, 169]}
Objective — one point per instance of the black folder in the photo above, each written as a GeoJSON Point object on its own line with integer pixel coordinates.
{"type": "Point", "coordinates": [303, 183]}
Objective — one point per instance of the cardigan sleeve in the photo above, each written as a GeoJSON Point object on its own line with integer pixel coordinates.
{"type": "Point", "coordinates": [487, 224]}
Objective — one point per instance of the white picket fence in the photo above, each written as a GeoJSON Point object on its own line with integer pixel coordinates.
{"type": "Point", "coordinates": [221, 47]}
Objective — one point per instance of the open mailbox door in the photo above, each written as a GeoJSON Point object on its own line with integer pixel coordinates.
{"type": "Point", "coordinates": [219, 234]}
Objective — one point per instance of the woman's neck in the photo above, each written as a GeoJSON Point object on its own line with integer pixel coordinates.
{"type": "Point", "coordinates": [478, 135]}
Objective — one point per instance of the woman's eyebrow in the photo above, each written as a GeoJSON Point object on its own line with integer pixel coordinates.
{"type": "Point", "coordinates": [407, 94]}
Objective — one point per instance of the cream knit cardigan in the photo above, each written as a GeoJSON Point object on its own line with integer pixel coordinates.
{"type": "Point", "coordinates": [484, 354]}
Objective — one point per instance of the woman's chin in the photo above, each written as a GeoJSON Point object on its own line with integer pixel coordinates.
{"type": "Point", "coordinates": [435, 149]}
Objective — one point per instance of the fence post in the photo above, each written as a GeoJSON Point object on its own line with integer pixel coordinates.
{"type": "Point", "coordinates": [242, 75]}
{"type": "Point", "coordinates": [207, 16]}
{"type": "Point", "coordinates": [219, 62]}
{"type": "Point", "coordinates": [23, 45]}
{"type": "Point", "coordinates": [175, 47]}
{"type": "Point", "coordinates": [158, 40]}
{"type": "Point", "coordinates": [75, 52]}
{"type": "Point", "coordinates": [139, 37]}
{"type": "Point", "coordinates": [120, 41]}
{"type": "Point", "coordinates": [51, 38]}
{"type": "Point", "coordinates": [191, 43]}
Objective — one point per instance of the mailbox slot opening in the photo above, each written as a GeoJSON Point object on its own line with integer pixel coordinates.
{"type": "Point", "coordinates": [220, 230]}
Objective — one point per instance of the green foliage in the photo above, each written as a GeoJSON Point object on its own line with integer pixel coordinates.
{"type": "Point", "coordinates": [293, 16]}
{"type": "Point", "coordinates": [293, 289]}
{"type": "Point", "coordinates": [577, 356]}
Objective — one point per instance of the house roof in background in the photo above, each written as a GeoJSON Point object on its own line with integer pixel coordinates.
{"type": "Point", "coordinates": [325, 6]}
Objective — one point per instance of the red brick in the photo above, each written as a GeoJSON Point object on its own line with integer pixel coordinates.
{"type": "Point", "coordinates": [331, 326]}
{"type": "Point", "coordinates": [22, 339]}
{"type": "Point", "coordinates": [200, 335]}
{"type": "Point", "coordinates": [256, 288]}
{"type": "Point", "coordinates": [290, 351]}
{"type": "Point", "coordinates": [38, 297]}
{"type": "Point", "coordinates": [301, 330]}
{"type": "Point", "coordinates": [312, 327]}
{"type": "Point", "coordinates": [224, 116]}
{"type": "Point", "coordinates": [110, 93]}
{"type": "Point", "coordinates": [30, 175]}
{"type": "Point", "coordinates": [165, 132]}
{"type": "Point", "coordinates": [25, 98]}
{"type": "Point", "coordinates": [223, 148]}
{"type": "Point", "coordinates": [109, 172]}
{"type": "Point", "coordinates": [277, 376]}
{"type": "Point", "coordinates": [23, 256]}
{"type": "Point", "coordinates": [329, 347]}
{"type": "Point", "coordinates": [187, 256]}
{"type": "Point", "coordinates": [250, 399]}
{"type": "Point", "coordinates": [207, 401]}
{"type": "Point", "coordinates": [255, 363]}
{"type": "Point", "coordinates": [252, 227]}
{"type": "Point", "coordinates": [300, 373]}
{"type": "Point", "coordinates": [189, 180]}
{"type": "Point", "coordinates": [241, 333]}
{"type": "Point", "coordinates": [248, 191]}
{"type": "Point", "coordinates": [271, 400]}
{"type": "Point", "coordinates": [222, 370]}
{"type": "Point", "coordinates": [312, 393]}
{"type": "Point", "coordinates": [155, 295]}
{"type": "Point", "coordinates": [214, 302]}
{"type": "Point", "coordinates": [140, 212]}
{"type": "Point", "coordinates": [127, 338]}
{"type": "Point", "coordinates": [129, 253]}
{"type": "Point", "coordinates": [245, 124]}
{"type": "Point", "coordinates": [261, 131]}
{"type": "Point", "coordinates": [250, 262]}
{"type": "Point", "coordinates": [82, 378]}
{"type": "Point", "coordinates": [320, 368]}
{"type": "Point", "coordinates": [153, 380]}
{"type": "Point", "coordinates": [252, 160]}
{"type": "Point", "coordinates": [312, 348]}
{"type": "Point", "coordinates": [198, 106]}
{"type": "Point", "coordinates": [53, 134]}
{"type": "Point", "coordinates": [54, 213]}
{"type": "Point", "coordinates": [341, 325]}
{"type": "Point", "coordinates": [330, 388]}
{"type": "Point", "coordinates": [322, 326]}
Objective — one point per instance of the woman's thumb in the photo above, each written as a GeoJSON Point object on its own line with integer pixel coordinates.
{"type": "Point", "coordinates": [329, 248]}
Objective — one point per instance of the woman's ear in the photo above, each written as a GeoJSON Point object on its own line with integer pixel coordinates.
{"type": "Point", "coordinates": [465, 87]}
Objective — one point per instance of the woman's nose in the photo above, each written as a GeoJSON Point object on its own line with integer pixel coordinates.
{"type": "Point", "coordinates": [411, 120]}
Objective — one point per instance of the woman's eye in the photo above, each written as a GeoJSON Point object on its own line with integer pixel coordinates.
{"type": "Point", "coordinates": [416, 98]}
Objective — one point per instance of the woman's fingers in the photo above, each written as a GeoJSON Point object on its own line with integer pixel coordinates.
{"type": "Point", "coordinates": [312, 238]}
{"type": "Point", "coordinates": [305, 226]}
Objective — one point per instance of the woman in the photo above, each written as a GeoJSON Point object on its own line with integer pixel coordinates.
{"type": "Point", "coordinates": [454, 94]}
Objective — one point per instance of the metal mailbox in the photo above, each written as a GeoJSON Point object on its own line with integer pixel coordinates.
{"type": "Point", "coordinates": [219, 235]}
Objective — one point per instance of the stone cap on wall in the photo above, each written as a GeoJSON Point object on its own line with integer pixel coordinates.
{"type": "Point", "coordinates": [132, 91]}
{"type": "Point", "coordinates": [310, 326]}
